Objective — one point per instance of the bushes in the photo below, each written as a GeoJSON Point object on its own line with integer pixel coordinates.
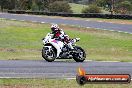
{"type": "Point", "coordinates": [124, 7]}
{"type": "Point", "coordinates": [34, 7]}
{"type": "Point", "coordinates": [60, 6]}
{"type": "Point", "coordinates": [92, 9]}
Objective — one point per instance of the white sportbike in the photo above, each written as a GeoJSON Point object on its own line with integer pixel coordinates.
{"type": "Point", "coordinates": [56, 49]}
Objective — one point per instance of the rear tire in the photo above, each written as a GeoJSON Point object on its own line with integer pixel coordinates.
{"type": "Point", "coordinates": [79, 54]}
{"type": "Point", "coordinates": [46, 57]}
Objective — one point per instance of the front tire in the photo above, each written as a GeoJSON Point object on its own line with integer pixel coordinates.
{"type": "Point", "coordinates": [79, 54]}
{"type": "Point", "coordinates": [50, 56]}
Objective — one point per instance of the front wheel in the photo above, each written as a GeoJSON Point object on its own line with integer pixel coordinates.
{"type": "Point", "coordinates": [79, 54]}
{"type": "Point", "coordinates": [48, 55]}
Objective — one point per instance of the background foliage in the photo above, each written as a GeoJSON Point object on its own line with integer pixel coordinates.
{"type": "Point", "coordinates": [120, 6]}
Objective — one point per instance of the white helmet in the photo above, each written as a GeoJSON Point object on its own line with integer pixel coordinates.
{"type": "Point", "coordinates": [54, 27]}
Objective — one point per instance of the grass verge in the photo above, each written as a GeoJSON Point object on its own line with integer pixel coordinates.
{"type": "Point", "coordinates": [77, 8]}
{"type": "Point", "coordinates": [22, 40]}
{"type": "Point", "coordinates": [53, 83]}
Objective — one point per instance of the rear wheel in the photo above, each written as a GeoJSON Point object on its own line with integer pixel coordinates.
{"type": "Point", "coordinates": [48, 55]}
{"type": "Point", "coordinates": [79, 54]}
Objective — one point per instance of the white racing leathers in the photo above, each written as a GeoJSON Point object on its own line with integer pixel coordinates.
{"type": "Point", "coordinates": [63, 36]}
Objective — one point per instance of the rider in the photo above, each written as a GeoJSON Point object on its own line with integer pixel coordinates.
{"type": "Point", "coordinates": [60, 34]}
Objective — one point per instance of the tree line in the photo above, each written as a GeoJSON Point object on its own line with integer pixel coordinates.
{"type": "Point", "coordinates": [118, 6]}
{"type": "Point", "coordinates": [43, 5]}
{"type": "Point", "coordinates": [95, 6]}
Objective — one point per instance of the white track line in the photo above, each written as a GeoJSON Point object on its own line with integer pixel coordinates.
{"type": "Point", "coordinates": [88, 27]}
{"type": "Point", "coordinates": [42, 22]}
{"type": "Point", "coordinates": [12, 19]}
{"type": "Point", "coordinates": [81, 26]}
{"type": "Point", "coordinates": [99, 21]}
{"type": "Point", "coordinates": [111, 30]}
{"type": "Point", "coordinates": [22, 20]}
{"type": "Point", "coordinates": [106, 61]}
{"type": "Point", "coordinates": [34, 21]}
{"type": "Point", "coordinates": [72, 78]}
{"type": "Point", "coordinates": [87, 20]}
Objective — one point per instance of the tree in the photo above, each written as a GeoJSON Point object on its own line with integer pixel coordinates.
{"type": "Point", "coordinates": [103, 3]}
{"type": "Point", "coordinates": [7, 4]}
{"type": "Point", "coordinates": [40, 4]}
{"type": "Point", "coordinates": [34, 7]}
{"type": "Point", "coordinates": [119, 6]}
{"type": "Point", "coordinates": [60, 6]}
{"type": "Point", "coordinates": [91, 9]}
{"type": "Point", "coordinates": [3, 4]}
{"type": "Point", "coordinates": [124, 7]}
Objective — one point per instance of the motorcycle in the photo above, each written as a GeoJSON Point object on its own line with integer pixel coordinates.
{"type": "Point", "coordinates": [56, 49]}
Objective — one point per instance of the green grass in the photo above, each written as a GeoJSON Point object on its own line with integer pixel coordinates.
{"type": "Point", "coordinates": [53, 83]}
{"type": "Point", "coordinates": [77, 8]}
{"type": "Point", "coordinates": [22, 40]}
{"type": "Point", "coordinates": [104, 45]}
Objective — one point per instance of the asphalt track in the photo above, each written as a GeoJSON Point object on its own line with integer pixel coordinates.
{"type": "Point", "coordinates": [59, 69]}
{"type": "Point", "coordinates": [62, 69]}
{"type": "Point", "coordinates": [82, 23]}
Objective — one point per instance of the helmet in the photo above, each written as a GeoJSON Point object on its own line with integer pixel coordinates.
{"type": "Point", "coordinates": [54, 27]}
